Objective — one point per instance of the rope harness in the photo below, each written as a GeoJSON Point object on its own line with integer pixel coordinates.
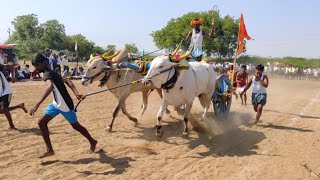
{"type": "Point", "coordinates": [172, 81]}
{"type": "Point", "coordinates": [93, 77]}
{"type": "Point", "coordinates": [123, 85]}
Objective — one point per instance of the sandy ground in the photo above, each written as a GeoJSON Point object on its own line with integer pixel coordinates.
{"type": "Point", "coordinates": [285, 145]}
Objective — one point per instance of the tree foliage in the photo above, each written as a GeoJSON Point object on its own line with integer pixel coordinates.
{"type": "Point", "coordinates": [223, 43]}
{"type": "Point", "coordinates": [132, 48]}
{"type": "Point", "coordinates": [25, 26]}
{"type": "Point", "coordinates": [53, 33]}
{"type": "Point", "coordinates": [111, 48]}
{"type": "Point", "coordinates": [33, 37]}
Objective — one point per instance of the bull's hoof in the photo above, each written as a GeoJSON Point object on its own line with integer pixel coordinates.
{"type": "Point", "coordinates": [185, 135]}
{"type": "Point", "coordinates": [133, 119]}
{"type": "Point", "coordinates": [109, 129]}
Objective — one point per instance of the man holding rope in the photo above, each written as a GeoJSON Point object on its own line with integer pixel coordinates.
{"type": "Point", "coordinates": [62, 103]}
{"type": "Point", "coordinates": [196, 36]}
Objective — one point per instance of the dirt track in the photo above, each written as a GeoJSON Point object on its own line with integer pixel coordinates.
{"type": "Point", "coordinates": [286, 145]}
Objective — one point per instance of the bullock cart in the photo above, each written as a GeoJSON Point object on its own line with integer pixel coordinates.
{"type": "Point", "coordinates": [222, 97]}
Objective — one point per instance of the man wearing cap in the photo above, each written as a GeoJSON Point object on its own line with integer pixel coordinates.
{"type": "Point", "coordinates": [196, 36]}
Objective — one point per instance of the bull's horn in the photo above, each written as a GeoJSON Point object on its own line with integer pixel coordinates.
{"type": "Point", "coordinates": [108, 58]}
{"type": "Point", "coordinates": [183, 56]}
{"type": "Point", "coordinates": [106, 54]}
{"type": "Point", "coordinates": [176, 50]}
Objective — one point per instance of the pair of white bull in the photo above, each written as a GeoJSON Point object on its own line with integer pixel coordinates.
{"type": "Point", "coordinates": [184, 85]}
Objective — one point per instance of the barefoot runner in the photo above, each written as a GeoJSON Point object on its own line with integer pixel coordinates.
{"type": "Point", "coordinates": [62, 103]}
{"type": "Point", "coordinates": [5, 98]}
{"type": "Point", "coordinates": [242, 81]}
{"type": "Point", "coordinates": [259, 91]}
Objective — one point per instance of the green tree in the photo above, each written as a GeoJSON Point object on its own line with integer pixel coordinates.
{"type": "Point", "coordinates": [98, 49]}
{"type": "Point", "coordinates": [111, 48]}
{"type": "Point", "coordinates": [84, 46]}
{"type": "Point", "coordinates": [223, 43]}
{"type": "Point", "coordinates": [26, 34]}
{"type": "Point", "coordinates": [132, 48]}
{"type": "Point", "coordinates": [25, 26]}
{"type": "Point", "coordinates": [53, 33]}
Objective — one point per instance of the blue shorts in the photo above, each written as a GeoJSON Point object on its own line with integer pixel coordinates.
{"type": "Point", "coordinates": [53, 111]}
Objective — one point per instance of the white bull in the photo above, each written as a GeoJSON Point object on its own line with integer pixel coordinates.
{"type": "Point", "coordinates": [98, 68]}
{"type": "Point", "coordinates": [198, 81]}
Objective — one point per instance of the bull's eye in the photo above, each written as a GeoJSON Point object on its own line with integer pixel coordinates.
{"type": "Point", "coordinates": [94, 67]}
{"type": "Point", "coordinates": [160, 67]}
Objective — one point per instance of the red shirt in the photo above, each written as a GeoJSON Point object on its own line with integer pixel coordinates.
{"type": "Point", "coordinates": [242, 77]}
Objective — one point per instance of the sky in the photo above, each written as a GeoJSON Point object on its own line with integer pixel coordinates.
{"type": "Point", "coordinates": [280, 28]}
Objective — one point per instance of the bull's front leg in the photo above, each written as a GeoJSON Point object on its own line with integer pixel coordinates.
{"type": "Point", "coordinates": [159, 91]}
{"type": "Point", "coordinates": [185, 119]}
{"type": "Point", "coordinates": [124, 111]}
{"type": "Point", "coordinates": [162, 109]}
{"type": "Point", "coordinates": [120, 104]}
{"type": "Point", "coordinates": [114, 115]}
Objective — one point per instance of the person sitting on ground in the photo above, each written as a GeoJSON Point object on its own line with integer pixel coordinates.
{"type": "Point", "coordinates": [20, 75]}
{"type": "Point", "coordinates": [81, 71]}
{"type": "Point", "coordinates": [73, 72]}
{"type": "Point", "coordinates": [35, 75]}
{"type": "Point", "coordinates": [62, 104]}
{"type": "Point", "coordinates": [26, 71]}
{"type": "Point", "coordinates": [66, 73]}
{"type": "Point", "coordinates": [260, 83]}
{"type": "Point", "coordinates": [5, 98]}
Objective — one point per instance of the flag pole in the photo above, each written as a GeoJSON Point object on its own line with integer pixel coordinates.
{"type": "Point", "coordinates": [77, 56]}
{"type": "Point", "coordinates": [235, 60]}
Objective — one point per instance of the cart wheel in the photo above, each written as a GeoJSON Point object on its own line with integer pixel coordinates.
{"type": "Point", "coordinates": [221, 104]}
{"type": "Point", "coordinates": [222, 97]}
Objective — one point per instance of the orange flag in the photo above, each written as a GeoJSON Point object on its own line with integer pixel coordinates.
{"type": "Point", "coordinates": [242, 34]}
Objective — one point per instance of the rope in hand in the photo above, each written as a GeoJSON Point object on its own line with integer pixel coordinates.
{"type": "Point", "coordinates": [109, 89]}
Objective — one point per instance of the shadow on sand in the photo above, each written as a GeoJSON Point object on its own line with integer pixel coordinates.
{"type": "Point", "coordinates": [284, 127]}
{"type": "Point", "coordinates": [36, 131]}
{"type": "Point", "coordinates": [119, 164]}
{"type": "Point", "coordinates": [235, 142]}
{"type": "Point", "coordinates": [301, 116]}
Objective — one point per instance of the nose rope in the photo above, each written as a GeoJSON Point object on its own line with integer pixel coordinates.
{"type": "Point", "coordinates": [94, 76]}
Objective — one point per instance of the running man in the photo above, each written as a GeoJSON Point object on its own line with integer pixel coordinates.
{"type": "Point", "coordinates": [5, 98]}
{"type": "Point", "coordinates": [260, 83]}
{"type": "Point", "coordinates": [62, 103]}
{"type": "Point", "coordinates": [242, 81]}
